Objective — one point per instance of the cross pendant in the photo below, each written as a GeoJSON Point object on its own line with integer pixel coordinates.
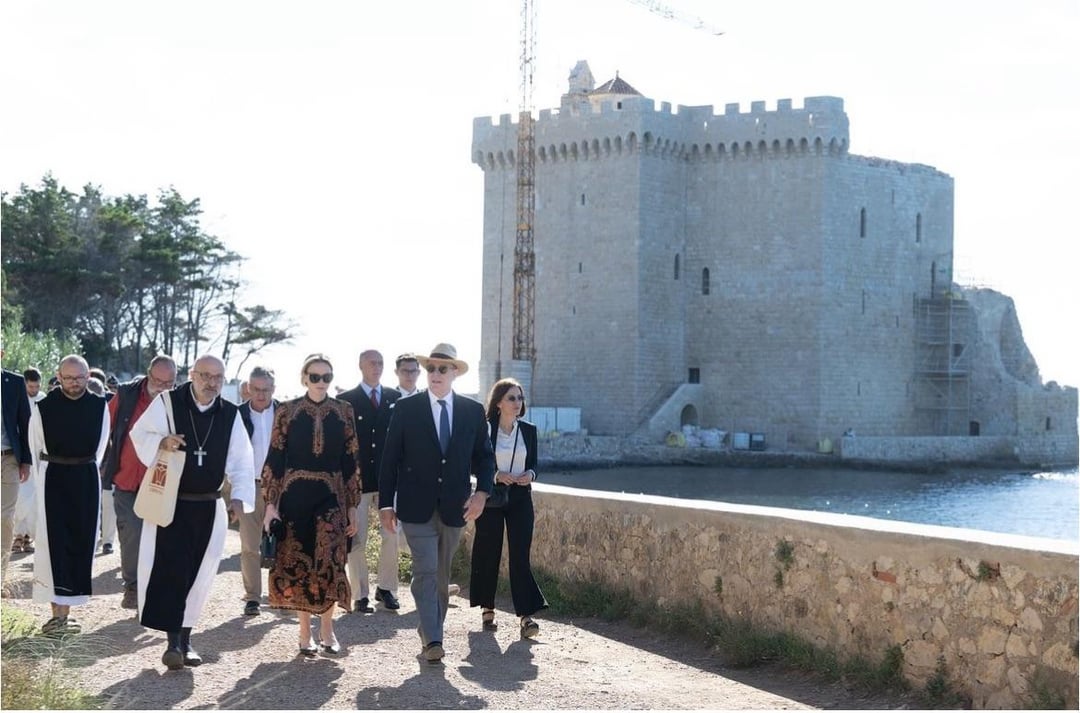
{"type": "Point", "coordinates": [200, 453]}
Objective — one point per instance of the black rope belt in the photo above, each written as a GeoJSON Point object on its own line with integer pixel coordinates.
{"type": "Point", "coordinates": [198, 497]}
{"type": "Point", "coordinates": [68, 460]}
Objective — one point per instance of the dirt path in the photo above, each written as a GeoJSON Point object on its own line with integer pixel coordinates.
{"type": "Point", "coordinates": [251, 662]}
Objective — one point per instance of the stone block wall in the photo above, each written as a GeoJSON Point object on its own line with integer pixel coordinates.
{"type": "Point", "coordinates": [1001, 610]}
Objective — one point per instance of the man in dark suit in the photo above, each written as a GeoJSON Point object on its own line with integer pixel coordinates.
{"type": "Point", "coordinates": [436, 439]}
{"type": "Point", "coordinates": [372, 405]}
{"type": "Point", "coordinates": [16, 454]}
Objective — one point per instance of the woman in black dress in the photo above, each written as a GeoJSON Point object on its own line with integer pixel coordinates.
{"type": "Point", "coordinates": [311, 482]}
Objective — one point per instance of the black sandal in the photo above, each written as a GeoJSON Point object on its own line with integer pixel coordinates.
{"type": "Point", "coordinates": [488, 618]}
{"type": "Point", "coordinates": [529, 628]}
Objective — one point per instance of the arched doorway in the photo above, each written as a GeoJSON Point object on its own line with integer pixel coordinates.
{"type": "Point", "coordinates": [689, 416]}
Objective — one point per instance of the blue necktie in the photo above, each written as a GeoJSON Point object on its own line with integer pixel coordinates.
{"type": "Point", "coordinates": [444, 428]}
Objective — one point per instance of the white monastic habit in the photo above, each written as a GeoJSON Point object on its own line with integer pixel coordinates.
{"type": "Point", "coordinates": [44, 591]}
{"type": "Point", "coordinates": [146, 436]}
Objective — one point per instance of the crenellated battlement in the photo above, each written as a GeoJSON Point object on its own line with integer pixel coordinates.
{"type": "Point", "coordinates": [633, 124]}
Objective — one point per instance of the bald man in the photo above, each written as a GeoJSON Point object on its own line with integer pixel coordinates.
{"type": "Point", "coordinates": [177, 564]}
{"type": "Point", "coordinates": [69, 430]}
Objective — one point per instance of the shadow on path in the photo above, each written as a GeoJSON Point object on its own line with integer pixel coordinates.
{"type": "Point", "coordinates": [497, 670]}
{"type": "Point", "coordinates": [273, 686]}
{"type": "Point", "coordinates": [428, 689]}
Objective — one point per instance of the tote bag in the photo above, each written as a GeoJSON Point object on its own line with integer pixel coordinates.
{"type": "Point", "coordinates": [156, 500]}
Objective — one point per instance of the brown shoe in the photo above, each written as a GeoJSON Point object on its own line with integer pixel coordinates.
{"type": "Point", "coordinates": [433, 652]}
{"type": "Point", "coordinates": [130, 600]}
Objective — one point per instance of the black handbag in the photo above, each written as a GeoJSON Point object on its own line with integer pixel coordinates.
{"type": "Point", "coordinates": [500, 492]}
{"type": "Point", "coordinates": [268, 546]}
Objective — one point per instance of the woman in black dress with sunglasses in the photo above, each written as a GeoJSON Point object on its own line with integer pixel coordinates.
{"type": "Point", "coordinates": [311, 483]}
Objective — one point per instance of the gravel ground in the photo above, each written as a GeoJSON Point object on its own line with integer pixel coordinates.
{"type": "Point", "coordinates": [251, 662]}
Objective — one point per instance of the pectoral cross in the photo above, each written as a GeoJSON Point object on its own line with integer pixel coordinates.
{"type": "Point", "coordinates": [200, 453]}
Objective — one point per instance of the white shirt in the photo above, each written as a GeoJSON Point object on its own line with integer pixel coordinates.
{"type": "Point", "coordinates": [153, 425]}
{"type": "Point", "coordinates": [405, 393]}
{"type": "Point", "coordinates": [436, 410]}
{"type": "Point", "coordinates": [505, 451]}
{"type": "Point", "coordinates": [263, 422]}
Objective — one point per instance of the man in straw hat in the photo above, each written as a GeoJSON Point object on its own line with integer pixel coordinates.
{"type": "Point", "coordinates": [435, 440]}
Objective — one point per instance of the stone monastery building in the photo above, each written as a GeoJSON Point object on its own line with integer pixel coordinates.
{"type": "Point", "coordinates": [743, 271]}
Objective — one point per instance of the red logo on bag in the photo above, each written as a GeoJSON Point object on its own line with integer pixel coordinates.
{"type": "Point", "coordinates": [160, 471]}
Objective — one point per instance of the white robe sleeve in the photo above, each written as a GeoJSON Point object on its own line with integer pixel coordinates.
{"type": "Point", "coordinates": [103, 444]}
{"type": "Point", "coordinates": [240, 466]}
{"type": "Point", "coordinates": [148, 431]}
{"type": "Point", "coordinates": [36, 435]}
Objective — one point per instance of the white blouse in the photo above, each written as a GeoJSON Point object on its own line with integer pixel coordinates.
{"type": "Point", "coordinates": [505, 451]}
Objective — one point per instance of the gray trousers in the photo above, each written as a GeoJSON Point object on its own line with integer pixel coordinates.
{"type": "Point", "coordinates": [128, 532]}
{"type": "Point", "coordinates": [433, 545]}
{"type": "Point", "coordinates": [8, 497]}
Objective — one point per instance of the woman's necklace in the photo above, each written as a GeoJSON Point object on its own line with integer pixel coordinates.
{"type": "Point", "coordinates": [201, 451]}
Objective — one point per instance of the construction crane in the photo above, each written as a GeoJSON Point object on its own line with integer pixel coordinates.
{"type": "Point", "coordinates": [524, 251]}
{"type": "Point", "coordinates": [664, 11]}
{"type": "Point", "coordinates": [524, 348]}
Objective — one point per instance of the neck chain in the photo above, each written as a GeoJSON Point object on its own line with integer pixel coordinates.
{"type": "Point", "coordinates": [201, 451]}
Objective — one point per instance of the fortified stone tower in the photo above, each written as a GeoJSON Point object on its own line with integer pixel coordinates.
{"type": "Point", "coordinates": [739, 270]}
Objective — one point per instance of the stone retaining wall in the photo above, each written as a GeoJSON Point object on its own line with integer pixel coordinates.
{"type": "Point", "coordinates": [1000, 609]}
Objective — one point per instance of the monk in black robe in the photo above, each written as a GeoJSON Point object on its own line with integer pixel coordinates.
{"type": "Point", "coordinates": [68, 432]}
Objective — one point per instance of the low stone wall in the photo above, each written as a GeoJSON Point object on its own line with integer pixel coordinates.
{"type": "Point", "coordinates": [922, 449]}
{"type": "Point", "coordinates": [913, 452]}
{"type": "Point", "coordinates": [1001, 610]}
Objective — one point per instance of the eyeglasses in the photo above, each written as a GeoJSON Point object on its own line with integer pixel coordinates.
{"type": "Point", "coordinates": [325, 378]}
{"type": "Point", "coordinates": [261, 391]}
{"type": "Point", "coordinates": [414, 370]}
{"type": "Point", "coordinates": [207, 376]}
{"type": "Point", "coordinates": [515, 398]}
{"type": "Point", "coordinates": [74, 379]}
{"type": "Point", "coordinates": [441, 368]}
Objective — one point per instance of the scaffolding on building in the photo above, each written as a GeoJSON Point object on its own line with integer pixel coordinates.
{"type": "Point", "coordinates": [944, 333]}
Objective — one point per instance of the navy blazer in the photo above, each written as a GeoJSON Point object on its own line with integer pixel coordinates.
{"type": "Point", "coordinates": [16, 407]}
{"type": "Point", "coordinates": [371, 425]}
{"type": "Point", "coordinates": [414, 468]}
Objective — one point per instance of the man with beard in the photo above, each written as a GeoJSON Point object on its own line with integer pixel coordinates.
{"type": "Point", "coordinates": [122, 471]}
{"type": "Point", "coordinates": [69, 431]}
{"type": "Point", "coordinates": [177, 563]}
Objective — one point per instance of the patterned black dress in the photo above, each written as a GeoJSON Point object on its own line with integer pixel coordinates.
{"type": "Point", "coordinates": [313, 476]}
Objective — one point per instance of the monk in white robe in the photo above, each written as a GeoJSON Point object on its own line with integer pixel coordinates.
{"type": "Point", "coordinates": [177, 563]}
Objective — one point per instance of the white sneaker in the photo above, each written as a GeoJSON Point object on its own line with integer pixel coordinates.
{"type": "Point", "coordinates": [453, 589]}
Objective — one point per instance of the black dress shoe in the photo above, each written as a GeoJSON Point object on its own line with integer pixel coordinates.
{"type": "Point", "coordinates": [173, 658]}
{"type": "Point", "coordinates": [191, 656]}
{"type": "Point", "coordinates": [363, 607]}
{"type": "Point", "coordinates": [251, 608]}
{"type": "Point", "coordinates": [387, 598]}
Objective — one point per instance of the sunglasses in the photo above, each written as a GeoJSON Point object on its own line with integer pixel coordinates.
{"type": "Point", "coordinates": [515, 398]}
{"type": "Point", "coordinates": [316, 378]}
{"type": "Point", "coordinates": [441, 368]}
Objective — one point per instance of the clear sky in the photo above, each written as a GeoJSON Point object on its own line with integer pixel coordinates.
{"type": "Point", "coordinates": [329, 141]}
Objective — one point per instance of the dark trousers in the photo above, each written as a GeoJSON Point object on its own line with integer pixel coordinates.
{"type": "Point", "coordinates": [517, 518]}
